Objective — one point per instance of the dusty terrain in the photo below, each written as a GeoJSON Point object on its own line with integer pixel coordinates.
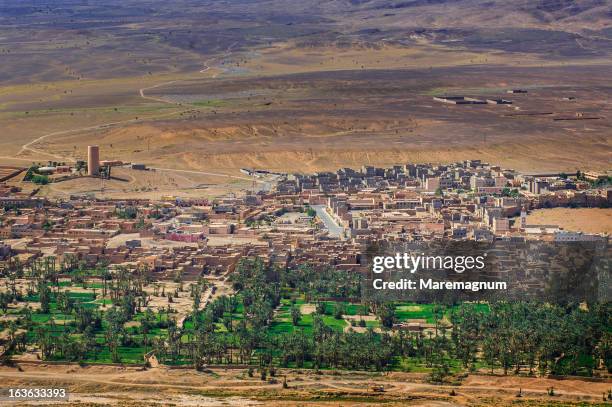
{"type": "Point", "coordinates": [351, 118]}
{"type": "Point", "coordinates": [587, 220]}
{"type": "Point", "coordinates": [152, 184]}
{"type": "Point", "coordinates": [215, 87]}
{"type": "Point", "coordinates": [133, 387]}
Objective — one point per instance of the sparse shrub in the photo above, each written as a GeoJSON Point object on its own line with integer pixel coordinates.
{"type": "Point", "coordinates": [40, 179]}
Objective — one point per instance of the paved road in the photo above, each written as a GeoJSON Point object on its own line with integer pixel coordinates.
{"type": "Point", "coordinates": [334, 229]}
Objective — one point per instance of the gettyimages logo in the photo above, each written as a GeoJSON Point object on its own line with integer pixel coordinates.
{"type": "Point", "coordinates": [406, 263]}
{"type": "Point", "coordinates": [410, 263]}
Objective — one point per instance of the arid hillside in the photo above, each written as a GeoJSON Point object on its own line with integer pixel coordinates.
{"type": "Point", "coordinates": [332, 119]}
{"type": "Point", "coordinates": [306, 86]}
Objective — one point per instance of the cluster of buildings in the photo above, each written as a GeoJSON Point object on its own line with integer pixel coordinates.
{"type": "Point", "coordinates": [465, 200]}
{"type": "Point", "coordinates": [324, 219]}
{"type": "Point", "coordinates": [465, 100]}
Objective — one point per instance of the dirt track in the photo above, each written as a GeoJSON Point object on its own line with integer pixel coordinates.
{"type": "Point", "coordinates": [130, 386]}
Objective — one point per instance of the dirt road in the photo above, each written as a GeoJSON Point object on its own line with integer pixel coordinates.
{"type": "Point", "coordinates": [108, 385]}
{"type": "Point", "coordinates": [29, 145]}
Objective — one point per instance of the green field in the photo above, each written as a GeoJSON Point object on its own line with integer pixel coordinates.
{"type": "Point", "coordinates": [294, 327]}
{"type": "Point", "coordinates": [59, 323]}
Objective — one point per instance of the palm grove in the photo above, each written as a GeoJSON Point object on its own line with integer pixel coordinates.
{"type": "Point", "coordinates": [113, 322]}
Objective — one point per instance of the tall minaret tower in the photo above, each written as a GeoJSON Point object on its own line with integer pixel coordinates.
{"type": "Point", "coordinates": [93, 160]}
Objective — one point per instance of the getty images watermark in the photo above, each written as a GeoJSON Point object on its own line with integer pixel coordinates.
{"type": "Point", "coordinates": [444, 270]}
{"type": "Point", "coordinates": [412, 264]}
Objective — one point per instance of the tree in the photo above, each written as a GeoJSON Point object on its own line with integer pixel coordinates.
{"type": "Point", "coordinates": [44, 297]}
{"type": "Point", "coordinates": [114, 330]}
{"type": "Point", "coordinates": [40, 179]}
{"type": "Point", "coordinates": [45, 342]}
{"type": "Point", "coordinates": [386, 314]}
{"type": "Point", "coordinates": [146, 324]}
{"type": "Point", "coordinates": [340, 310]}
{"type": "Point", "coordinates": [64, 302]}
{"type": "Point", "coordinates": [296, 315]}
{"type": "Point", "coordinates": [5, 300]}
{"type": "Point", "coordinates": [89, 342]}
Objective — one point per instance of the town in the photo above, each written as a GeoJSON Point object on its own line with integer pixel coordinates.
{"type": "Point", "coordinates": [302, 241]}
{"type": "Point", "coordinates": [324, 218]}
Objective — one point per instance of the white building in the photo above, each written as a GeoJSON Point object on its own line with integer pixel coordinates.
{"type": "Point", "coordinates": [566, 236]}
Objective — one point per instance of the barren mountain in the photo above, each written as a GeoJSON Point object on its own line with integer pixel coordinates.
{"type": "Point", "coordinates": [577, 13]}
{"type": "Point", "coordinates": [213, 84]}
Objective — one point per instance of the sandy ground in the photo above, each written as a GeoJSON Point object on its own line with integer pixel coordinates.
{"type": "Point", "coordinates": [160, 386]}
{"type": "Point", "coordinates": [234, 240]}
{"type": "Point", "coordinates": [587, 220]}
{"type": "Point", "coordinates": [146, 242]}
{"type": "Point", "coordinates": [289, 57]}
{"type": "Point", "coordinates": [322, 107]}
{"type": "Point", "coordinates": [307, 309]}
{"type": "Point", "coordinates": [153, 184]}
